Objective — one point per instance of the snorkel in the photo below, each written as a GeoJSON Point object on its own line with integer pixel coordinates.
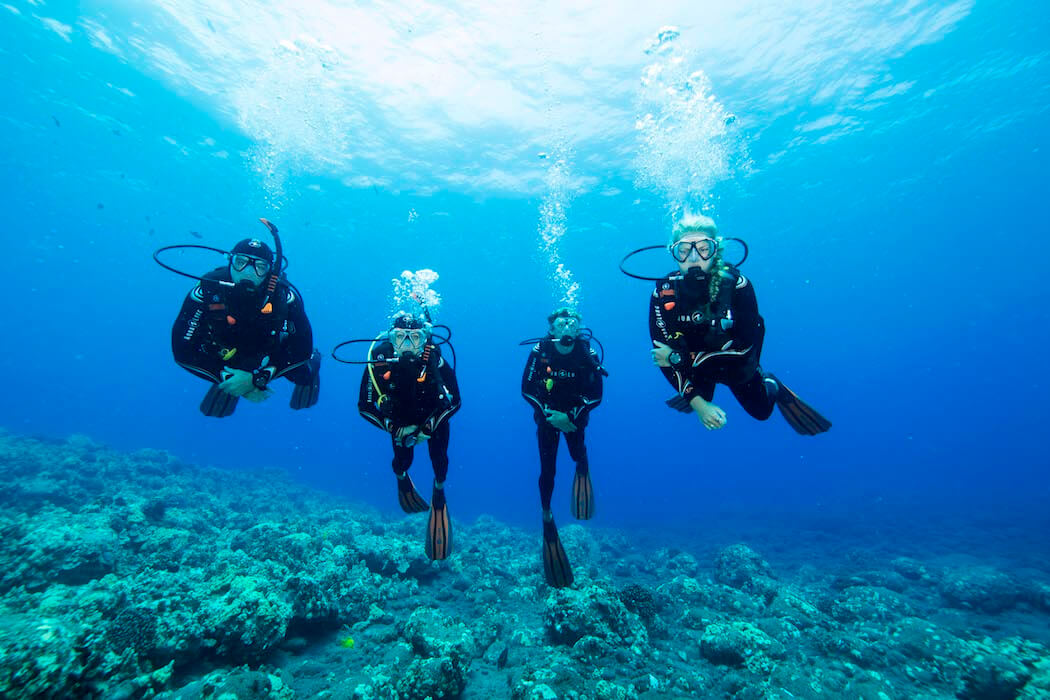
{"type": "Point", "coordinates": [275, 264]}
{"type": "Point", "coordinates": [278, 263]}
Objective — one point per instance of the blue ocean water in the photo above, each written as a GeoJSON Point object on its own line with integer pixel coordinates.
{"type": "Point", "coordinates": [886, 164]}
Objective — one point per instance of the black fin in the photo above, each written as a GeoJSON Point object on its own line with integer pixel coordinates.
{"type": "Point", "coordinates": [306, 395]}
{"type": "Point", "coordinates": [679, 403]}
{"type": "Point", "coordinates": [439, 528]}
{"type": "Point", "coordinates": [582, 496]}
{"type": "Point", "coordinates": [801, 416]}
{"type": "Point", "coordinates": [556, 568]}
{"type": "Point", "coordinates": [408, 498]}
{"type": "Point", "coordinates": [217, 403]}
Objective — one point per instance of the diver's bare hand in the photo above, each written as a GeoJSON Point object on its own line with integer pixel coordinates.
{"type": "Point", "coordinates": [258, 395]}
{"type": "Point", "coordinates": [237, 382]}
{"type": "Point", "coordinates": [559, 420]}
{"type": "Point", "coordinates": [711, 416]}
{"type": "Point", "coordinates": [406, 437]}
{"type": "Point", "coordinates": [661, 354]}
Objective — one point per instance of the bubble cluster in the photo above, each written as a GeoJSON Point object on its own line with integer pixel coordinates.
{"type": "Point", "coordinates": [688, 140]}
{"type": "Point", "coordinates": [413, 293]}
{"type": "Point", "coordinates": [290, 105]}
{"type": "Point", "coordinates": [552, 227]}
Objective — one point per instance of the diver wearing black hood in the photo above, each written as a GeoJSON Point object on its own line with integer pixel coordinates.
{"type": "Point", "coordinates": [410, 391]}
{"type": "Point", "coordinates": [706, 329]}
{"type": "Point", "coordinates": [237, 333]}
{"type": "Point", "coordinates": [562, 382]}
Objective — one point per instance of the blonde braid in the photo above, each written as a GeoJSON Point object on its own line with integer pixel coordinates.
{"type": "Point", "coordinates": [714, 284]}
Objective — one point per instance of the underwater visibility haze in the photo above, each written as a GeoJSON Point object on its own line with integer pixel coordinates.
{"type": "Point", "coordinates": [885, 164]}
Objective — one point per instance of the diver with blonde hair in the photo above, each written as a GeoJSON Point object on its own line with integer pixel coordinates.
{"type": "Point", "coordinates": [706, 330]}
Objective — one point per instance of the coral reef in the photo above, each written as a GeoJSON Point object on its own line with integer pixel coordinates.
{"type": "Point", "coordinates": [135, 575]}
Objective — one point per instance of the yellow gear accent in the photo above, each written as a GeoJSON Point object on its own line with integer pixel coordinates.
{"type": "Point", "coordinates": [228, 353]}
{"type": "Point", "coordinates": [549, 383]}
{"type": "Point", "coordinates": [372, 374]}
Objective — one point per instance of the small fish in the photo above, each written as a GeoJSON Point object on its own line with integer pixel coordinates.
{"type": "Point", "coordinates": [147, 218]}
{"type": "Point", "coordinates": [55, 119]}
{"type": "Point", "coordinates": [151, 231]}
{"type": "Point", "coordinates": [116, 132]}
{"type": "Point", "coordinates": [501, 662]}
{"type": "Point", "coordinates": [196, 234]}
{"type": "Point", "coordinates": [100, 205]}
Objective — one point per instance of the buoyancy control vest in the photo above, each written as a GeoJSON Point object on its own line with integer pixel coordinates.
{"type": "Point", "coordinates": [687, 304]}
{"type": "Point", "coordinates": [238, 325]}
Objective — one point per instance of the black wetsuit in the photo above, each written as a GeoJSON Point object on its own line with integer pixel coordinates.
{"type": "Point", "coordinates": [392, 397]}
{"type": "Point", "coordinates": [217, 321]}
{"type": "Point", "coordinates": [719, 343]}
{"type": "Point", "coordinates": [571, 383]}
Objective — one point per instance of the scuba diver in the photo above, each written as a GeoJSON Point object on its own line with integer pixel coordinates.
{"type": "Point", "coordinates": [706, 330]}
{"type": "Point", "coordinates": [244, 326]}
{"type": "Point", "coordinates": [410, 391]}
{"type": "Point", "coordinates": [562, 382]}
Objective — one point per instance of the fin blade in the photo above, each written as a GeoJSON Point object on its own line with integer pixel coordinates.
{"type": "Point", "coordinates": [582, 496]}
{"type": "Point", "coordinates": [556, 568]}
{"type": "Point", "coordinates": [306, 395]}
{"type": "Point", "coordinates": [408, 498]}
{"type": "Point", "coordinates": [217, 403]}
{"type": "Point", "coordinates": [439, 534]}
{"type": "Point", "coordinates": [802, 417]}
{"type": "Point", "coordinates": [679, 403]}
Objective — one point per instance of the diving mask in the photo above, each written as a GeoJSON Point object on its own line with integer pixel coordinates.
{"type": "Point", "coordinates": [704, 249]}
{"type": "Point", "coordinates": [408, 341]}
{"type": "Point", "coordinates": [239, 261]}
{"type": "Point", "coordinates": [565, 329]}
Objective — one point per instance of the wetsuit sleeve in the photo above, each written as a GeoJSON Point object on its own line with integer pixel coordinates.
{"type": "Point", "coordinates": [190, 339]}
{"type": "Point", "coordinates": [590, 389]}
{"type": "Point", "coordinates": [449, 402]}
{"type": "Point", "coordinates": [532, 380]}
{"type": "Point", "coordinates": [660, 330]}
{"type": "Point", "coordinates": [296, 350]}
{"type": "Point", "coordinates": [368, 399]}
